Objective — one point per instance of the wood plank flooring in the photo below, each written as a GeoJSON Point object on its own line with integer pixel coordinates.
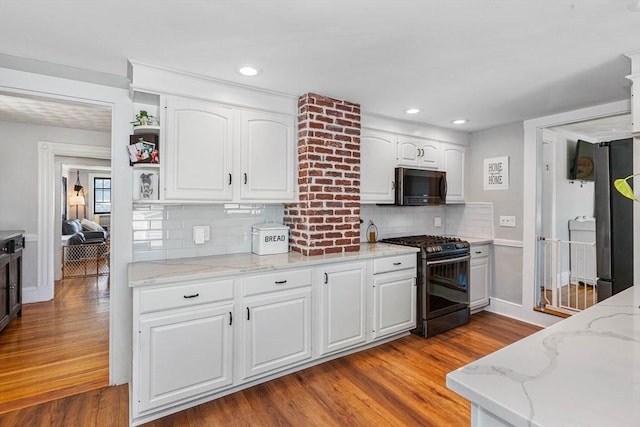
{"type": "Point", "coordinates": [395, 384]}
{"type": "Point", "coordinates": [57, 348]}
{"type": "Point", "coordinates": [576, 296]}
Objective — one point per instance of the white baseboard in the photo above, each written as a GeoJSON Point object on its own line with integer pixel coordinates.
{"type": "Point", "coordinates": [516, 311]}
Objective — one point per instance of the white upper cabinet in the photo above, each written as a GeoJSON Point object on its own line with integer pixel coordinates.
{"type": "Point", "coordinates": [268, 157]}
{"type": "Point", "coordinates": [419, 153]}
{"type": "Point", "coordinates": [377, 162]}
{"type": "Point", "coordinates": [219, 153]}
{"type": "Point", "coordinates": [453, 158]}
{"type": "Point", "coordinates": [199, 150]}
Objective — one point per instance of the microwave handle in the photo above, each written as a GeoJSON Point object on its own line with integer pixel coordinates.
{"type": "Point", "coordinates": [443, 188]}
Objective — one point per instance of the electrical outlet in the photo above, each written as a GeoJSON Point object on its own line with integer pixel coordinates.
{"type": "Point", "coordinates": [437, 221]}
{"type": "Point", "coordinates": [201, 234]}
{"type": "Point", "coordinates": [507, 221]}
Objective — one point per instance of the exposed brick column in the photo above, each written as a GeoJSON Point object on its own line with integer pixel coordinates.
{"type": "Point", "coordinates": [327, 218]}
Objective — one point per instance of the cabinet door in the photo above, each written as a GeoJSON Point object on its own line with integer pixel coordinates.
{"type": "Point", "coordinates": [394, 297]}
{"type": "Point", "coordinates": [268, 168]}
{"type": "Point", "coordinates": [408, 153]}
{"type": "Point", "coordinates": [479, 282]}
{"type": "Point", "coordinates": [15, 283]}
{"type": "Point", "coordinates": [343, 312]}
{"type": "Point", "coordinates": [183, 354]}
{"type": "Point", "coordinates": [430, 155]}
{"type": "Point", "coordinates": [453, 158]}
{"type": "Point", "coordinates": [377, 165]}
{"type": "Point", "coordinates": [276, 331]}
{"type": "Point", "coordinates": [5, 283]}
{"type": "Point", "coordinates": [198, 146]}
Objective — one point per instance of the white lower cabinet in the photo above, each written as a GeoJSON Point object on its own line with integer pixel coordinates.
{"type": "Point", "coordinates": [276, 326]}
{"type": "Point", "coordinates": [480, 277]}
{"type": "Point", "coordinates": [342, 306]}
{"type": "Point", "coordinates": [276, 331]}
{"type": "Point", "coordinates": [183, 343]}
{"type": "Point", "coordinates": [197, 340]}
{"type": "Point", "coordinates": [394, 300]}
{"type": "Point", "coordinates": [394, 295]}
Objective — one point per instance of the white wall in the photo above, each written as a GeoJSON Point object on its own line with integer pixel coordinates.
{"type": "Point", "coordinates": [19, 181]}
{"type": "Point", "coordinates": [507, 261]}
{"type": "Point", "coordinates": [573, 197]}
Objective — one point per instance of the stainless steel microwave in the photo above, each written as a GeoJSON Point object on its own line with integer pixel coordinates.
{"type": "Point", "coordinates": [419, 187]}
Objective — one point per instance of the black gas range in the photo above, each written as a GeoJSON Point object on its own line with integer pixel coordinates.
{"type": "Point", "coordinates": [443, 282]}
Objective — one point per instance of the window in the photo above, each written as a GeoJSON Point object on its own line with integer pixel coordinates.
{"type": "Point", "coordinates": [101, 195]}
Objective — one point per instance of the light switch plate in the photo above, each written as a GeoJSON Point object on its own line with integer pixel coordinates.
{"type": "Point", "coordinates": [507, 221]}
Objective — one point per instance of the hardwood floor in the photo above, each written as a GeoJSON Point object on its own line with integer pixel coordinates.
{"type": "Point", "coordinates": [576, 296]}
{"type": "Point", "coordinates": [395, 384]}
{"type": "Point", "coordinates": [57, 348]}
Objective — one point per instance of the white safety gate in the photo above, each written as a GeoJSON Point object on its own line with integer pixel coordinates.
{"type": "Point", "coordinates": [568, 275]}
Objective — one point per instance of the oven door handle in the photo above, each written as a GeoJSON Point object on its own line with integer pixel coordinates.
{"type": "Point", "coordinates": [450, 260]}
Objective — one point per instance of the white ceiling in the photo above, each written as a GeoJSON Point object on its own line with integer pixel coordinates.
{"type": "Point", "coordinates": [50, 112]}
{"type": "Point", "coordinates": [491, 61]}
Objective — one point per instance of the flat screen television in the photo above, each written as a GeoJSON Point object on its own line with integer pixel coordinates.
{"type": "Point", "coordinates": [581, 167]}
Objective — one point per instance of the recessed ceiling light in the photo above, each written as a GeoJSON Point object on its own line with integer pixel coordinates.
{"type": "Point", "coordinates": [459, 121]}
{"type": "Point", "coordinates": [248, 70]}
{"type": "Point", "coordinates": [412, 111]}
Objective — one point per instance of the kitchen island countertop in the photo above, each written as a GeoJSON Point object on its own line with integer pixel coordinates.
{"type": "Point", "coordinates": [582, 371]}
{"type": "Point", "coordinates": [171, 270]}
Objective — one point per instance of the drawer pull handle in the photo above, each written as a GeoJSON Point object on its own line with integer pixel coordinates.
{"type": "Point", "coordinates": [280, 282]}
{"type": "Point", "coordinates": [478, 252]}
{"type": "Point", "coordinates": [245, 177]}
{"type": "Point", "coordinates": [248, 314]}
{"type": "Point", "coordinates": [230, 318]}
{"type": "Point", "coordinates": [397, 263]}
{"type": "Point", "coordinates": [191, 296]}
{"type": "Point", "coordinates": [326, 278]}
{"type": "Point", "coordinates": [229, 179]}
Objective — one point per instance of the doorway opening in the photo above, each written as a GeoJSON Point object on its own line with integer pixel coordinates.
{"type": "Point", "coordinates": [567, 277]}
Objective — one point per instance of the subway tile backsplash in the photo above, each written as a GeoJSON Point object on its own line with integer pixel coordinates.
{"type": "Point", "coordinates": [165, 231]}
{"type": "Point", "coordinates": [470, 220]}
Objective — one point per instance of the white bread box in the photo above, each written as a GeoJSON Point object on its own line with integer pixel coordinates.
{"type": "Point", "coordinates": [269, 238]}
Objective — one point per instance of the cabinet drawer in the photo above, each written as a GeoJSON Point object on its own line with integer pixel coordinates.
{"type": "Point", "coordinates": [479, 251]}
{"type": "Point", "coordinates": [394, 263]}
{"type": "Point", "coordinates": [286, 279]}
{"type": "Point", "coordinates": [185, 295]}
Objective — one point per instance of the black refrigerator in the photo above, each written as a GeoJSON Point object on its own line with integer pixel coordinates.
{"type": "Point", "coordinates": [614, 217]}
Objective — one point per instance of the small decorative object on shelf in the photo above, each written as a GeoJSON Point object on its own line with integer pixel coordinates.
{"type": "Point", "coordinates": [145, 184]}
{"type": "Point", "coordinates": [143, 148]}
{"type": "Point", "coordinates": [372, 232]}
{"type": "Point", "coordinates": [143, 118]}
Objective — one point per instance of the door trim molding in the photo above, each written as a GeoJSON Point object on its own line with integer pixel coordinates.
{"type": "Point", "coordinates": [47, 152]}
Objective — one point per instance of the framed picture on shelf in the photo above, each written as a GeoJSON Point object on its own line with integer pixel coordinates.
{"type": "Point", "coordinates": [145, 184]}
{"type": "Point", "coordinates": [143, 149]}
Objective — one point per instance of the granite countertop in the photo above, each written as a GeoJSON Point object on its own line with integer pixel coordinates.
{"type": "Point", "coordinates": [10, 234]}
{"type": "Point", "coordinates": [171, 270]}
{"type": "Point", "coordinates": [582, 371]}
